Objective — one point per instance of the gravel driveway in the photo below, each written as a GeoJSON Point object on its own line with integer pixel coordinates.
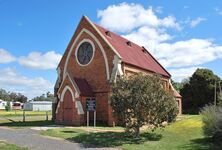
{"type": "Point", "coordinates": [34, 141]}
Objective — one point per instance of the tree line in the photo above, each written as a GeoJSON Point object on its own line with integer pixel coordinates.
{"type": "Point", "coordinates": [12, 96]}
{"type": "Point", "coordinates": [18, 97]}
{"type": "Point", "coordinates": [44, 97]}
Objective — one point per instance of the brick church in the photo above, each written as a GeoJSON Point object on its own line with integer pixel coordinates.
{"type": "Point", "coordinates": [93, 59]}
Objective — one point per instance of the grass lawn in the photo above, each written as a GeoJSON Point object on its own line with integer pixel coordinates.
{"type": "Point", "coordinates": [21, 124]}
{"type": "Point", "coordinates": [32, 118]}
{"type": "Point", "coordinates": [183, 134]}
{"type": "Point", "coordinates": [15, 113]}
{"type": "Point", "coordinates": [6, 146]}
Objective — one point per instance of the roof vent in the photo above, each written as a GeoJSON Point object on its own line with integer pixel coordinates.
{"type": "Point", "coordinates": [108, 33]}
{"type": "Point", "coordinates": [144, 49]}
{"type": "Point", "coordinates": [129, 43]}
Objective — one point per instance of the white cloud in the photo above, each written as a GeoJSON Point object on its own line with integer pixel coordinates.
{"type": "Point", "coordinates": [179, 54]}
{"type": "Point", "coordinates": [218, 11]}
{"type": "Point", "coordinates": [126, 17]}
{"type": "Point", "coordinates": [196, 21]}
{"type": "Point", "coordinates": [187, 53]}
{"type": "Point", "coordinates": [145, 28]}
{"type": "Point", "coordinates": [148, 36]}
{"type": "Point", "coordinates": [186, 7]}
{"type": "Point", "coordinates": [37, 60]}
{"type": "Point", "coordinates": [182, 73]}
{"type": "Point", "coordinates": [6, 57]}
{"type": "Point", "coordinates": [12, 80]}
{"type": "Point", "coordinates": [169, 22]}
{"type": "Point", "coordinates": [159, 9]}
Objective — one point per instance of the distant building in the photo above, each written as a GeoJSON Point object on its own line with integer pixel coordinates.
{"type": "Point", "coordinates": [37, 106]}
{"type": "Point", "coordinates": [14, 105]}
{"type": "Point", "coordinates": [2, 104]}
{"type": "Point", "coordinates": [17, 105]}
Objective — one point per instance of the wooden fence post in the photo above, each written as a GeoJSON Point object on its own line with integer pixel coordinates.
{"type": "Point", "coordinates": [23, 115]}
{"type": "Point", "coordinates": [47, 117]}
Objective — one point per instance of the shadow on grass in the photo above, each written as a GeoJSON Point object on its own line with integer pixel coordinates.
{"type": "Point", "coordinates": [112, 139]}
{"type": "Point", "coordinates": [27, 123]}
{"type": "Point", "coordinates": [203, 144]}
{"type": "Point", "coordinates": [69, 131]}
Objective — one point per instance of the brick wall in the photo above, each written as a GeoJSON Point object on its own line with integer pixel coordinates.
{"type": "Point", "coordinates": [94, 73]}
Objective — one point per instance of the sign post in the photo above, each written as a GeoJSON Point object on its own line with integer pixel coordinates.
{"type": "Point", "coordinates": [94, 118]}
{"type": "Point", "coordinates": [91, 106]}
{"type": "Point", "coordinates": [87, 118]}
{"type": "Point", "coordinates": [46, 116]}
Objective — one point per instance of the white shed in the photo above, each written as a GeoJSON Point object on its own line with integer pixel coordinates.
{"type": "Point", "coordinates": [2, 104]}
{"type": "Point", "coordinates": [38, 106]}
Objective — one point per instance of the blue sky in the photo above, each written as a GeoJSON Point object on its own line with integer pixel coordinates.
{"type": "Point", "coordinates": [183, 35]}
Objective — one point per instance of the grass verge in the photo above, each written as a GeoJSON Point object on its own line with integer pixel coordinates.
{"type": "Point", "coordinates": [16, 113]}
{"type": "Point", "coordinates": [183, 134]}
{"type": "Point", "coordinates": [21, 124]}
{"type": "Point", "coordinates": [14, 118]}
{"type": "Point", "coordinates": [7, 146]}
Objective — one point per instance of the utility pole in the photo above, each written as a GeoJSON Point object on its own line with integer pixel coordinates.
{"type": "Point", "coordinates": [220, 87]}
{"type": "Point", "coordinates": [215, 94]}
{"type": "Point", "coordinates": [220, 95]}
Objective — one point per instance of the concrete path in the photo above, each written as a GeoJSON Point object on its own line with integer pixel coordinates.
{"type": "Point", "coordinates": [34, 141]}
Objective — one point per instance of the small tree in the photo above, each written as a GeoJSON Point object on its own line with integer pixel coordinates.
{"type": "Point", "coordinates": [8, 106]}
{"type": "Point", "coordinates": [141, 100]}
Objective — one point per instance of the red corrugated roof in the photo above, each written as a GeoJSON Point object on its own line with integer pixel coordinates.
{"type": "Point", "coordinates": [84, 87]}
{"type": "Point", "coordinates": [134, 54]}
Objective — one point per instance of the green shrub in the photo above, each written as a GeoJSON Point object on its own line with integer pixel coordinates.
{"type": "Point", "coordinates": [141, 100]}
{"type": "Point", "coordinates": [8, 106]}
{"type": "Point", "coordinates": [212, 120]}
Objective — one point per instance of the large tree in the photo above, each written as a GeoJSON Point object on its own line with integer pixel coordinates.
{"type": "Point", "coordinates": [141, 100]}
{"type": "Point", "coordinates": [12, 96]}
{"type": "Point", "coordinates": [44, 97]}
{"type": "Point", "coordinates": [177, 85]}
{"type": "Point", "coordinates": [199, 91]}
{"type": "Point", "coordinates": [4, 95]}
